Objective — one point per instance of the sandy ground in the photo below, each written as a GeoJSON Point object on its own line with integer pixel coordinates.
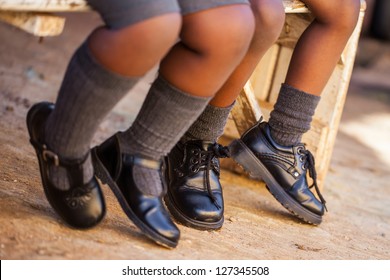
{"type": "Point", "coordinates": [357, 225]}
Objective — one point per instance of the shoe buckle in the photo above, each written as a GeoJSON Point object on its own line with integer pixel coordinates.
{"type": "Point", "coordinates": [47, 154]}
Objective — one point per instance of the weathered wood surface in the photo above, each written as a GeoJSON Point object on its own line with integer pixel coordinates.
{"type": "Point", "coordinates": [291, 6]}
{"type": "Point", "coordinates": [44, 5]}
{"type": "Point", "coordinates": [37, 24]}
{"type": "Point", "coordinates": [247, 111]}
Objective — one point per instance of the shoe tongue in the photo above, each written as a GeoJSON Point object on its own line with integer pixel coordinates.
{"type": "Point", "coordinates": [204, 145]}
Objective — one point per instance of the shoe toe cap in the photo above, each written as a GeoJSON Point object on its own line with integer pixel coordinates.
{"type": "Point", "coordinates": [199, 206]}
{"type": "Point", "coordinates": [80, 208]}
{"type": "Point", "coordinates": [162, 224]}
{"type": "Point", "coordinates": [303, 195]}
{"type": "Point", "coordinates": [314, 206]}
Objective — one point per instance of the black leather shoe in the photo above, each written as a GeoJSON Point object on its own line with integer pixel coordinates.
{"type": "Point", "coordinates": [82, 206]}
{"type": "Point", "coordinates": [283, 169]}
{"type": "Point", "coordinates": [194, 195]}
{"type": "Point", "coordinates": [147, 212]}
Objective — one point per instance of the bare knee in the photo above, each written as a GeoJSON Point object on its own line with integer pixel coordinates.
{"type": "Point", "coordinates": [154, 37]}
{"type": "Point", "coordinates": [135, 49]}
{"type": "Point", "coordinates": [269, 17]}
{"type": "Point", "coordinates": [346, 14]}
{"type": "Point", "coordinates": [339, 15]}
{"type": "Point", "coordinates": [225, 32]}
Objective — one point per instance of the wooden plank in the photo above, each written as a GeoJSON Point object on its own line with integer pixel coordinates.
{"type": "Point", "coordinates": [280, 73]}
{"type": "Point", "coordinates": [338, 105]}
{"type": "Point", "coordinates": [261, 79]}
{"type": "Point", "coordinates": [293, 28]}
{"type": "Point", "coordinates": [44, 5]}
{"type": "Point", "coordinates": [38, 24]}
{"type": "Point", "coordinates": [294, 6]}
{"type": "Point", "coordinates": [230, 130]}
{"type": "Point", "coordinates": [246, 112]}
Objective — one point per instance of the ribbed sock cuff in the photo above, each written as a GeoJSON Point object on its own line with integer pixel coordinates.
{"type": "Point", "coordinates": [88, 93]}
{"type": "Point", "coordinates": [210, 124]}
{"type": "Point", "coordinates": [165, 116]}
{"type": "Point", "coordinates": [292, 115]}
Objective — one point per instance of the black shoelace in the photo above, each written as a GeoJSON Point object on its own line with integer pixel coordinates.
{"type": "Point", "coordinates": [310, 165]}
{"type": "Point", "coordinates": [204, 160]}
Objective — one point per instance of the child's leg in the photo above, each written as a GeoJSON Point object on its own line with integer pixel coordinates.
{"type": "Point", "coordinates": [101, 72]}
{"type": "Point", "coordinates": [213, 41]}
{"type": "Point", "coordinates": [320, 46]}
{"type": "Point", "coordinates": [133, 50]}
{"type": "Point", "coordinates": [269, 20]}
{"type": "Point", "coordinates": [314, 58]}
{"type": "Point", "coordinates": [194, 191]}
{"type": "Point", "coordinates": [272, 151]}
{"type": "Point", "coordinates": [94, 82]}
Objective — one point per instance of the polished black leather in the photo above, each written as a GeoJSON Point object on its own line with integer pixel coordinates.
{"type": "Point", "coordinates": [146, 211]}
{"type": "Point", "coordinates": [82, 206]}
{"type": "Point", "coordinates": [287, 167]}
{"type": "Point", "coordinates": [194, 195]}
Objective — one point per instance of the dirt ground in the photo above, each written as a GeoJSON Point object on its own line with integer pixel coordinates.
{"type": "Point", "coordinates": [357, 225]}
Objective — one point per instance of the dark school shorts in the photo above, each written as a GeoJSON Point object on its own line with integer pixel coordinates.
{"type": "Point", "coordinates": [120, 13]}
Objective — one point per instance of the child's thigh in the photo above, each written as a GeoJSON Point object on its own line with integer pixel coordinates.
{"type": "Point", "coordinates": [191, 6]}
{"type": "Point", "coordinates": [120, 13]}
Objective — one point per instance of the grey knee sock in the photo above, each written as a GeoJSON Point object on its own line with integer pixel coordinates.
{"type": "Point", "coordinates": [87, 94]}
{"type": "Point", "coordinates": [210, 124]}
{"type": "Point", "coordinates": [292, 115]}
{"type": "Point", "coordinates": [165, 116]}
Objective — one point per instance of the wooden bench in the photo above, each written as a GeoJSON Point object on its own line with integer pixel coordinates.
{"type": "Point", "coordinates": [261, 90]}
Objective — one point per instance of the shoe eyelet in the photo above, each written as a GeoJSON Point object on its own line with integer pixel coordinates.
{"type": "Point", "coordinates": [301, 158]}
{"type": "Point", "coordinates": [194, 169]}
{"type": "Point", "coordinates": [299, 150]}
{"type": "Point", "coordinates": [194, 161]}
{"type": "Point", "coordinates": [303, 167]}
{"type": "Point", "coordinates": [179, 173]}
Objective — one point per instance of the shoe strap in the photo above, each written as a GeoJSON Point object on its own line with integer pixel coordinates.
{"type": "Point", "coordinates": [73, 167]}
{"type": "Point", "coordinates": [135, 158]}
{"type": "Point", "coordinates": [51, 157]}
{"type": "Point", "coordinates": [143, 162]}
